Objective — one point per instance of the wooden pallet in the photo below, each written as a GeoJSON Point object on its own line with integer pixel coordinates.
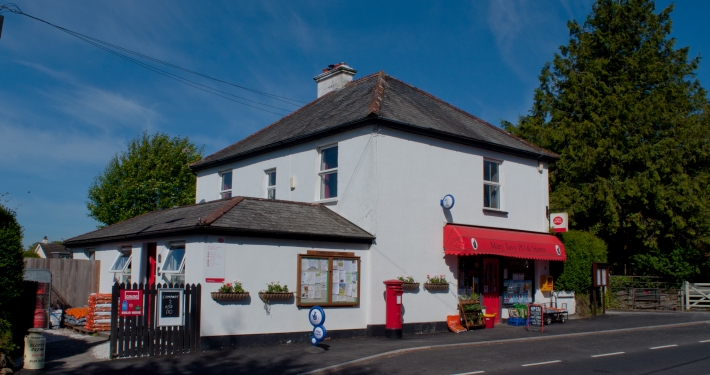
{"type": "Point", "coordinates": [79, 329]}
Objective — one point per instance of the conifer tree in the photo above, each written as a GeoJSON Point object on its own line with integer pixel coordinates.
{"type": "Point", "coordinates": [621, 106]}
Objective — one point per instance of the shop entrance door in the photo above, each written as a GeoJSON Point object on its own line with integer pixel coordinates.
{"type": "Point", "coordinates": [491, 294]}
{"type": "Point", "coordinates": [151, 263]}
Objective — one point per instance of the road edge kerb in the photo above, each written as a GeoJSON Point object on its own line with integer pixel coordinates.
{"type": "Point", "coordinates": [341, 366]}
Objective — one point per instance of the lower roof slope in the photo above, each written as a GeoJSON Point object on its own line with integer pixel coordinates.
{"type": "Point", "coordinates": [381, 98]}
{"type": "Point", "coordinates": [242, 216]}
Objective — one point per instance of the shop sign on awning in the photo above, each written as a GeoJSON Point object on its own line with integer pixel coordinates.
{"type": "Point", "coordinates": [466, 240]}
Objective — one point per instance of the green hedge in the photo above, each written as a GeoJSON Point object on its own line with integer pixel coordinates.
{"type": "Point", "coordinates": [582, 249]}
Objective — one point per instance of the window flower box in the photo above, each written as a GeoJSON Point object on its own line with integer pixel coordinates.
{"type": "Point", "coordinates": [219, 296]}
{"type": "Point", "coordinates": [409, 283]}
{"type": "Point", "coordinates": [436, 286]}
{"type": "Point", "coordinates": [436, 283]}
{"type": "Point", "coordinates": [275, 296]}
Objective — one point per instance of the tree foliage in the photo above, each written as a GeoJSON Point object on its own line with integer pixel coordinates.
{"type": "Point", "coordinates": [621, 106]}
{"type": "Point", "coordinates": [12, 266]}
{"type": "Point", "coordinates": [582, 249]}
{"type": "Point", "coordinates": [152, 174]}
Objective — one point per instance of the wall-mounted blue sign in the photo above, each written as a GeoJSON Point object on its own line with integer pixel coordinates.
{"type": "Point", "coordinates": [448, 201]}
{"type": "Point", "coordinates": [316, 316]}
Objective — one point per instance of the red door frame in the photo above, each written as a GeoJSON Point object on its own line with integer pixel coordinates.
{"type": "Point", "coordinates": [490, 286]}
{"type": "Point", "coordinates": [151, 263]}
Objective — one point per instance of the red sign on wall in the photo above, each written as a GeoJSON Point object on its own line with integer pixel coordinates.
{"type": "Point", "coordinates": [131, 303]}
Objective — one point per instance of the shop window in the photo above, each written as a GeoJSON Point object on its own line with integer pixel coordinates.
{"type": "Point", "coordinates": [174, 266]}
{"type": "Point", "coordinates": [271, 184]}
{"type": "Point", "coordinates": [491, 184]}
{"type": "Point", "coordinates": [329, 172]}
{"type": "Point", "coordinates": [517, 280]}
{"type": "Point", "coordinates": [225, 190]}
{"type": "Point", "coordinates": [468, 281]}
{"type": "Point", "coordinates": [121, 267]}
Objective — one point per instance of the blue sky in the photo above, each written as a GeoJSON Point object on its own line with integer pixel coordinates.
{"type": "Point", "coordinates": [66, 107]}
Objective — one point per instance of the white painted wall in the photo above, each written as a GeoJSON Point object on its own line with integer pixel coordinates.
{"type": "Point", "coordinates": [256, 262]}
{"type": "Point", "coordinates": [390, 183]}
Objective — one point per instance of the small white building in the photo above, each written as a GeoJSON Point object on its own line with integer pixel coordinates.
{"type": "Point", "coordinates": [379, 156]}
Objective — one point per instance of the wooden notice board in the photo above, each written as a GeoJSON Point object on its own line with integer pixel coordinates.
{"type": "Point", "coordinates": [328, 279]}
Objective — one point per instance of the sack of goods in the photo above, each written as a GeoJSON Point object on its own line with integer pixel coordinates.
{"type": "Point", "coordinates": [99, 315]}
{"type": "Point", "coordinates": [76, 316]}
{"type": "Point", "coordinates": [55, 318]}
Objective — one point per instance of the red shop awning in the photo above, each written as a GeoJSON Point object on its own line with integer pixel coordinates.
{"type": "Point", "coordinates": [464, 240]}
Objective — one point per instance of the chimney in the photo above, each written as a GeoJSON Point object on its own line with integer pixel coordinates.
{"type": "Point", "coordinates": [334, 77]}
{"type": "Point", "coordinates": [45, 240]}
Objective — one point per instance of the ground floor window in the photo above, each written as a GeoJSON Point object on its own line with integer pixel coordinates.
{"type": "Point", "coordinates": [174, 265]}
{"type": "Point", "coordinates": [121, 267]}
{"type": "Point", "coordinates": [513, 278]}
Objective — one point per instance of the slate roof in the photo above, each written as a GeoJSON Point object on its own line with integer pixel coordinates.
{"type": "Point", "coordinates": [382, 99]}
{"type": "Point", "coordinates": [52, 250]}
{"type": "Point", "coordinates": [240, 216]}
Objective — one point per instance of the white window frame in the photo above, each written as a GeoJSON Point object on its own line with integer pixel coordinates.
{"type": "Point", "coordinates": [221, 184]}
{"type": "Point", "coordinates": [181, 269]}
{"type": "Point", "coordinates": [323, 172]}
{"type": "Point", "coordinates": [493, 183]}
{"type": "Point", "coordinates": [270, 188]}
{"type": "Point", "coordinates": [122, 253]}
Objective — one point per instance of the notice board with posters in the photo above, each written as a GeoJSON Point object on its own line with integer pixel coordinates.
{"type": "Point", "coordinates": [328, 278]}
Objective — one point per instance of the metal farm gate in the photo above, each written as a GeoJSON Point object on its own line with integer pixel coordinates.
{"type": "Point", "coordinates": [135, 336]}
{"type": "Point", "coordinates": [697, 295]}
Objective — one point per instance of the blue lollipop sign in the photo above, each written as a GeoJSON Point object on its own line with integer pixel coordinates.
{"type": "Point", "coordinates": [316, 316]}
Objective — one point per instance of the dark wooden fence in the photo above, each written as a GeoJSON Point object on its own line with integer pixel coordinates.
{"type": "Point", "coordinates": [137, 336]}
{"type": "Point", "coordinates": [73, 280]}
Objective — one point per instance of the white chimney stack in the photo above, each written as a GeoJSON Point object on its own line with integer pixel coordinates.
{"type": "Point", "coordinates": [334, 77]}
{"type": "Point", "coordinates": [45, 240]}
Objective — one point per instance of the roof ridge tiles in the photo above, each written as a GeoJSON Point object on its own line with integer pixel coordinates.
{"type": "Point", "coordinates": [313, 102]}
{"type": "Point", "coordinates": [378, 94]}
{"type": "Point", "coordinates": [220, 211]}
{"type": "Point", "coordinates": [471, 116]}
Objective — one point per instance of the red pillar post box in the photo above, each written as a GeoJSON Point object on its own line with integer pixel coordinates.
{"type": "Point", "coordinates": [393, 302]}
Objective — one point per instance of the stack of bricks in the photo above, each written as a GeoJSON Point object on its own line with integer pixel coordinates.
{"type": "Point", "coordinates": [99, 316]}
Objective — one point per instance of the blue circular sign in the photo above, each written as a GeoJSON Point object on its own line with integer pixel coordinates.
{"type": "Point", "coordinates": [314, 341]}
{"type": "Point", "coordinates": [316, 316]}
{"type": "Point", "coordinates": [319, 332]}
{"type": "Point", "coordinates": [448, 201]}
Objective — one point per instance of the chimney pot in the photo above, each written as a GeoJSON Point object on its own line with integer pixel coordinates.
{"type": "Point", "coordinates": [334, 77]}
{"type": "Point", "coordinates": [45, 240]}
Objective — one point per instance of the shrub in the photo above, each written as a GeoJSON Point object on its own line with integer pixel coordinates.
{"type": "Point", "coordinates": [582, 249]}
{"type": "Point", "coordinates": [11, 268]}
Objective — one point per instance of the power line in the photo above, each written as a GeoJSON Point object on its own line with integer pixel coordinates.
{"type": "Point", "coordinates": [108, 47]}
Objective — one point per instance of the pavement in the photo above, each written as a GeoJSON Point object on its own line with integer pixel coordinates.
{"type": "Point", "coordinates": [351, 354]}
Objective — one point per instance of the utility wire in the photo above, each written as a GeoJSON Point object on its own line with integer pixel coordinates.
{"type": "Point", "coordinates": [13, 8]}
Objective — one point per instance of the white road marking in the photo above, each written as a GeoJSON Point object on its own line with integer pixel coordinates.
{"type": "Point", "coordinates": [607, 354]}
{"type": "Point", "coordinates": [541, 363]}
{"type": "Point", "coordinates": [704, 341]}
{"type": "Point", "coordinates": [471, 373]}
{"type": "Point", "coordinates": [664, 346]}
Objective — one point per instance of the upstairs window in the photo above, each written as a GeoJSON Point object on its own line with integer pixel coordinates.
{"type": "Point", "coordinates": [491, 184]}
{"type": "Point", "coordinates": [271, 184]}
{"type": "Point", "coordinates": [329, 172]}
{"type": "Point", "coordinates": [225, 190]}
